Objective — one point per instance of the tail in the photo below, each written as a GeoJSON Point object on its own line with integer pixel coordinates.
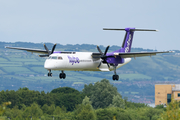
{"type": "Point", "coordinates": [126, 46]}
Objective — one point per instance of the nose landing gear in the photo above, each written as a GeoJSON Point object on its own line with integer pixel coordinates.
{"type": "Point", "coordinates": [49, 74]}
{"type": "Point", "coordinates": [62, 75]}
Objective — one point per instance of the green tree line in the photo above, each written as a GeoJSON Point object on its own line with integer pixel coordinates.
{"type": "Point", "coordinates": [99, 101]}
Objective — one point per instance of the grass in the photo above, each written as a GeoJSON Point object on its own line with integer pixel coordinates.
{"type": "Point", "coordinates": [3, 60]}
{"type": "Point", "coordinates": [133, 76]}
{"type": "Point", "coordinates": [1, 72]}
{"type": "Point", "coordinates": [126, 92]}
{"type": "Point", "coordinates": [78, 83]}
{"type": "Point", "coordinates": [10, 65]}
{"type": "Point", "coordinates": [17, 70]}
{"type": "Point", "coordinates": [39, 69]}
{"type": "Point", "coordinates": [22, 60]}
{"type": "Point", "coordinates": [134, 93]}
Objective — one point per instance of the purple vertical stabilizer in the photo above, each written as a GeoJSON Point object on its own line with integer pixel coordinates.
{"type": "Point", "coordinates": [126, 46]}
{"type": "Point", "coordinates": [128, 40]}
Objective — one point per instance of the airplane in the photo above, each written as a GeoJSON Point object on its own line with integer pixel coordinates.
{"type": "Point", "coordinates": [91, 61]}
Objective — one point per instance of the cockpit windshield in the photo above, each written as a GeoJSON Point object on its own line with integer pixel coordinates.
{"type": "Point", "coordinates": [55, 57]}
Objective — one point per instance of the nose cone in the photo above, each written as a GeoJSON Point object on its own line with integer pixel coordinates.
{"type": "Point", "coordinates": [47, 64]}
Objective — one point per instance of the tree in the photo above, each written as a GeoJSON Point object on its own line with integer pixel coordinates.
{"type": "Point", "coordinates": [86, 101]}
{"type": "Point", "coordinates": [84, 112]}
{"type": "Point", "coordinates": [64, 90]}
{"type": "Point", "coordinates": [45, 108]}
{"type": "Point", "coordinates": [88, 89]}
{"type": "Point", "coordinates": [104, 114]}
{"type": "Point", "coordinates": [101, 93]}
{"type": "Point", "coordinates": [68, 100]}
{"type": "Point", "coordinates": [13, 113]}
{"type": "Point", "coordinates": [57, 111]}
{"type": "Point", "coordinates": [172, 111]}
{"type": "Point", "coordinates": [118, 102]}
{"type": "Point", "coordinates": [34, 110]}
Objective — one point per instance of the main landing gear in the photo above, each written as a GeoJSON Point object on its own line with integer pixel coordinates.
{"type": "Point", "coordinates": [62, 75]}
{"type": "Point", "coordinates": [115, 76]}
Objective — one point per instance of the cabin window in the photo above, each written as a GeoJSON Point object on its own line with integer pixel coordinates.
{"type": "Point", "coordinates": [60, 58]}
{"type": "Point", "coordinates": [178, 94]}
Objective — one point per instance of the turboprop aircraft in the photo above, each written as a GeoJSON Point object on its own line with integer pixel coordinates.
{"type": "Point", "coordinates": [91, 61]}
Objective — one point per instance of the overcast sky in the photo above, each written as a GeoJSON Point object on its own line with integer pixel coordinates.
{"type": "Point", "coordinates": [82, 21]}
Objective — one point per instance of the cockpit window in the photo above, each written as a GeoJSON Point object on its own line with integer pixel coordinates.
{"type": "Point", "coordinates": [60, 58]}
{"type": "Point", "coordinates": [54, 57]}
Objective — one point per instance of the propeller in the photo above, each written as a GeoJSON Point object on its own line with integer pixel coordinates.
{"type": "Point", "coordinates": [103, 56]}
{"type": "Point", "coordinates": [49, 52]}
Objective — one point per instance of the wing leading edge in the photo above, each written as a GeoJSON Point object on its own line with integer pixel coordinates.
{"type": "Point", "coordinates": [29, 50]}
{"type": "Point", "coordinates": [140, 54]}
{"type": "Point", "coordinates": [130, 55]}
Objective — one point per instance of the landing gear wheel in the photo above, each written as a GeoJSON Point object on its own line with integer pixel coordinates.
{"type": "Point", "coordinates": [62, 75]}
{"type": "Point", "coordinates": [115, 77]}
{"type": "Point", "coordinates": [49, 74]}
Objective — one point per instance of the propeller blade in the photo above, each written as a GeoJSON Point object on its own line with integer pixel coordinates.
{"type": "Point", "coordinates": [53, 48]}
{"type": "Point", "coordinates": [99, 65]}
{"type": "Point", "coordinates": [108, 65]}
{"type": "Point", "coordinates": [47, 49]}
{"type": "Point", "coordinates": [106, 50]}
{"type": "Point", "coordinates": [43, 55]}
{"type": "Point", "coordinates": [99, 50]}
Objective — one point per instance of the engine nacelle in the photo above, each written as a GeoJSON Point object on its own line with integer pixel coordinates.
{"type": "Point", "coordinates": [115, 60]}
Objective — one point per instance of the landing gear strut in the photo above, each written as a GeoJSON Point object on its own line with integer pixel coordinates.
{"type": "Point", "coordinates": [115, 76]}
{"type": "Point", "coordinates": [62, 75]}
{"type": "Point", "coordinates": [49, 74]}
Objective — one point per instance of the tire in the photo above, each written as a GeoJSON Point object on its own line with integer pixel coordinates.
{"type": "Point", "coordinates": [60, 76]}
{"type": "Point", "coordinates": [64, 76]}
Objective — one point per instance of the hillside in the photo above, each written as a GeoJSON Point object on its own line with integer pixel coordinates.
{"type": "Point", "coordinates": [137, 78]}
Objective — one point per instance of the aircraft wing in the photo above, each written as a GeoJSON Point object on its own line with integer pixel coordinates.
{"type": "Point", "coordinates": [129, 55]}
{"type": "Point", "coordinates": [29, 50]}
{"type": "Point", "coordinates": [139, 54]}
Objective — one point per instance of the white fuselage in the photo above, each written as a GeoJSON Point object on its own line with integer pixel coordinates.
{"type": "Point", "coordinates": [79, 61]}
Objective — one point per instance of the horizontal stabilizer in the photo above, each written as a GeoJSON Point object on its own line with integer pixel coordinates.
{"type": "Point", "coordinates": [129, 29]}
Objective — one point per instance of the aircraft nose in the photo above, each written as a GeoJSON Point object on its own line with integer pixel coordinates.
{"type": "Point", "coordinates": [47, 65]}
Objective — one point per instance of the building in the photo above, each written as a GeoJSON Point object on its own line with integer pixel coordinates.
{"type": "Point", "coordinates": [164, 93]}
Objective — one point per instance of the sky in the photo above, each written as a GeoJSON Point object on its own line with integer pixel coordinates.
{"type": "Point", "coordinates": [82, 22]}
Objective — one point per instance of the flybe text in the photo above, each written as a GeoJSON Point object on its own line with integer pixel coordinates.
{"type": "Point", "coordinates": [128, 44]}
